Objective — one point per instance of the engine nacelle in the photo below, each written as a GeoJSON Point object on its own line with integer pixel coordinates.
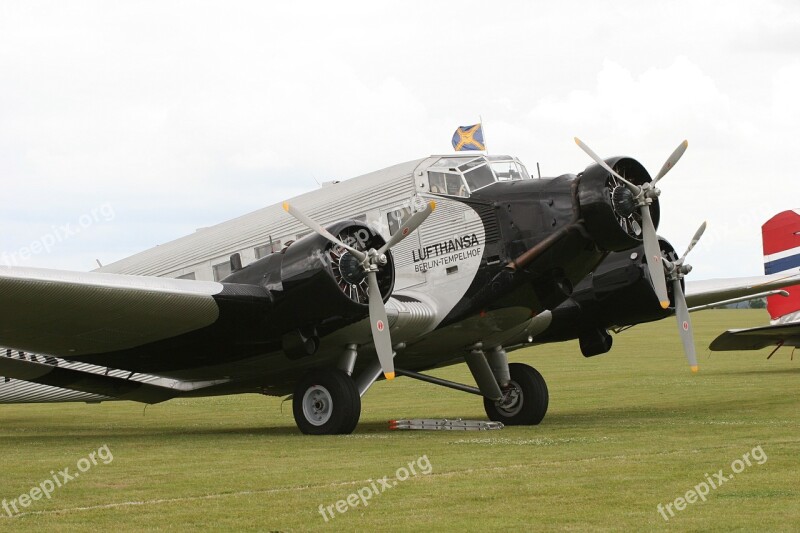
{"type": "Point", "coordinates": [327, 281]}
{"type": "Point", "coordinates": [317, 285]}
{"type": "Point", "coordinates": [607, 206]}
{"type": "Point", "coordinates": [618, 293]}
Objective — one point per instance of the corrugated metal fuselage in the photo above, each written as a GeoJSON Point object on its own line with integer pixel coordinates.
{"type": "Point", "coordinates": [453, 285]}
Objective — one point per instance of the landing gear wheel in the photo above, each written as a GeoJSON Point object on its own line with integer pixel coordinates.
{"type": "Point", "coordinates": [525, 399]}
{"type": "Point", "coordinates": [326, 402]}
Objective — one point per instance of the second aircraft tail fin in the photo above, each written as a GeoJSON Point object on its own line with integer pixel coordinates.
{"type": "Point", "coordinates": [781, 240]}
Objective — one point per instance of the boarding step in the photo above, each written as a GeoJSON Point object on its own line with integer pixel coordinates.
{"type": "Point", "coordinates": [444, 424]}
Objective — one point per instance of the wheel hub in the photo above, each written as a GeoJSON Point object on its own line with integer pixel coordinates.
{"type": "Point", "coordinates": [317, 405]}
{"type": "Point", "coordinates": [511, 403]}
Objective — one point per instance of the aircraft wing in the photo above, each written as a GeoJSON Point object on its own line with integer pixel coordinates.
{"type": "Point", "coordinates": [718, 290]}
{"type": "Point", "coordinates": [757, 338]}
{"type": "Point", "coordinates": [52, 381]}
{"type": "Point", "coordinates": [69, 314]}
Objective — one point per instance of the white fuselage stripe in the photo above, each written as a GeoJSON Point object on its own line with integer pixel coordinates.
{"type": "Point", "coordinates": [781, 255]}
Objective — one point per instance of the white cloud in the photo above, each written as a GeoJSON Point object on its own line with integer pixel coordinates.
{"type": "Point", "coordinates": [185, 114]}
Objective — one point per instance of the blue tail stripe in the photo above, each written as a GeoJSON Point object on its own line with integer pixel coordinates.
{"type": "Point", "coordinates": [782, 265]}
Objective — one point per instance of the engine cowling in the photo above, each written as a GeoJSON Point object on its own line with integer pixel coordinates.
{"type": "Point", "coordinates": [608, 207]}
{"type": "Point", "coordinates": [317, 286]}
{"type": "Point", "coordinates": [328, 279]}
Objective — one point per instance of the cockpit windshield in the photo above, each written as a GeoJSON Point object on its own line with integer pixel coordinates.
{"type": "Point", "coordinates": [478, 177]}
{"type": "Point", "coordinates": [460, 176]}
{"type": "Point", "coordinates": [509, 170]}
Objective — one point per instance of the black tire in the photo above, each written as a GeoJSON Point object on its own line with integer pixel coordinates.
{"type": "Point", "coordinates": [532, 403]}
{"type": "Point", "coordinates": [331, 400]}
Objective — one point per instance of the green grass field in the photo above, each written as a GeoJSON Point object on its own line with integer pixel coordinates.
{"type": "Point", "coordinates": [625, 431]}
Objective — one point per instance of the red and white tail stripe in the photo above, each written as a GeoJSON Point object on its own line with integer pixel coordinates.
{"type": "Point", "coordinates": [781, 239]}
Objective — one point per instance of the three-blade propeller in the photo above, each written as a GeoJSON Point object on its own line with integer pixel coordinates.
{"type": "Point", "coordinates": [371, 261]}
{"type": "Point", "coordinates": [644, 195]}
{"type": "Point", "coordinates": [661, 269]}
{"type": "Point", "coordinates": [676, 271]}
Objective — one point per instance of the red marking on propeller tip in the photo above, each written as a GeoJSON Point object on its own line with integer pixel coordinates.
{"type": "Point", "coordinates": [379, 325]}
{"type": "Point", "coordinates": [405, 231]}
{"type": "Point", "coordinates": [685, 326]}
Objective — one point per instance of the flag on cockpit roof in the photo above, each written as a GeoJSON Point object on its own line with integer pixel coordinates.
{"type": "Point", "coordinates": [469, 138]}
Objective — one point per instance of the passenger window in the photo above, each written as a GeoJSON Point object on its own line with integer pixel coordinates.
{"type": "Point", "coordinates": [266, 249]}
{"type": "Point", "coordinates": [222, 270]}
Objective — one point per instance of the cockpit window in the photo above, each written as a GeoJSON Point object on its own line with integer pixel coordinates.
{"type": "Point", "coordinates": [507, 170]}
{"type": "Point", "coordinates": [453, 162]}
{"type": "Point", "coordinates": [460, 176]}
{"type": "Point", "coordinates": [447, 183]}
{"type": "Point", "coordinates": [471, 164]}
{"type": "Point", "coordinates": [479, 177]}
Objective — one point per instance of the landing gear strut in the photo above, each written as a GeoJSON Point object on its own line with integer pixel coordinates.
{"type": "Point", "coordinates": [326, 402]}
{"type": "Point", "coordinates": [525, 398]}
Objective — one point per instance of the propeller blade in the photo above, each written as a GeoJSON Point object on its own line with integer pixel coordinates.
{"type": "Point", "coordinates": [380, 327]}
{"type": "Point", "coordinates": [697, 235]}
{"type": "Point", "coordinates": [406, 229]}
{"type": "Point", "coordinates": [684, 324]}
{"type": "Point", "coordinates": [299, 215]}
{"type": "Point", "coordinates": [635, 189]}
{"type": "Point", "coordinates": [671, 160]}
{"type": "Point", "coordinates": [653, 252]}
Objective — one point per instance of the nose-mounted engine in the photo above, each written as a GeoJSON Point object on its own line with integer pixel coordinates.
{"type": "Point", "coordinates": [610, 209]}
{"type": "Point", "coordinates": [555, 231]}
{"type": "Point", "coordinates": [612, 206]}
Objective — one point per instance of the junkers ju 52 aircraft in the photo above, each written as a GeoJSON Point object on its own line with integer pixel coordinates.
{"type": "Point", "coordinates": [438, 261]}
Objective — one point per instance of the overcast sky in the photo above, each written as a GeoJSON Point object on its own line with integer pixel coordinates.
{"type": "Point", "coordinates": [163, 117]}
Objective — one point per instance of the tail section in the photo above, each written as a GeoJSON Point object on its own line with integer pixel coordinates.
{"type": "Point", "coordinates": [781, 239]}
